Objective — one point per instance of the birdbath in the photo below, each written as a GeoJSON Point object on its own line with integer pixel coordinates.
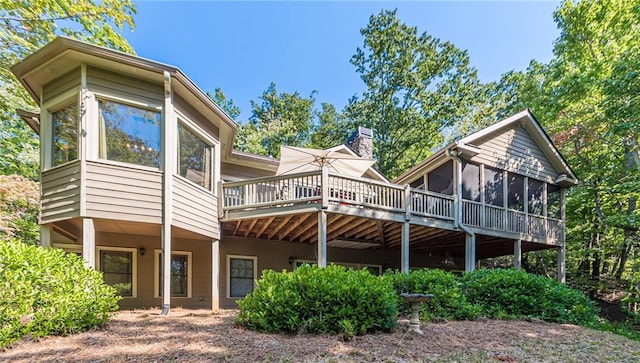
{"type": "Point", "coordinates": [415, 300]}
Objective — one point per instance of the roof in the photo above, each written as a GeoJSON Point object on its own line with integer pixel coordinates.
{"type": "Point", "coordinates": [465, 145]}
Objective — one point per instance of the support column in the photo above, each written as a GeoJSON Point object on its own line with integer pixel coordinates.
{"type": "Point", "coordinates": [562, 277]}
{"type": "Point", "coordinates": [517, 254]}
{"type": "Point", "coordinates": [404, 248]}
{"type": "Point", "coordinates": [45, 235]}
{"type": "Point", "coordinates": [215, 274]}
{"type": "Point", "coordinates": [469, 252]}
{"type": "Point", "coordinates": [89, 242]}
{"type": "Point", "coordinates": [322, 239]}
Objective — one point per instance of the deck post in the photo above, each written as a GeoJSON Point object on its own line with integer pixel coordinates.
{"type": "Point", "coordinates": [404, 248]}
{"type": "Point", "coordinates": [45, 235]}
{"type": "Point", "coordinates": [562, 277]}
{"type": "Point", "coordinates": [215, 274]}
{"type": "Point", "coordinates": [517, 254]}
{"type": "Point", "coordinates": [322, 238]}
{"type": "Point", "coordinates": [89, 242]}
{"type": "Point", "coordinates": [469, 252]}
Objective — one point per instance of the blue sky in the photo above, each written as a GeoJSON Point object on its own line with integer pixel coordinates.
{"type": "Point", "coordinates": [305, 46]}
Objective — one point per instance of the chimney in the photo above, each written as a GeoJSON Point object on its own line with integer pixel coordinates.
{"type": "Point", "coordinates": [361, 142]}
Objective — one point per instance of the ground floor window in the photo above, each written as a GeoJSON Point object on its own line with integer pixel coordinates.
{"type": "Point", "coordinates": [180, 274]}
{"type": "Point", "coordinates": [242, 272]}
{"type": "Point", "coordinates": [118, 267]}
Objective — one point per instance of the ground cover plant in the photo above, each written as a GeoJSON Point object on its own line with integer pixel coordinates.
{"type": "Point", "coordinates": [45, 291]}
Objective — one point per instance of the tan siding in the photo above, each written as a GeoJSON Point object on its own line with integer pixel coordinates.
{"type": "Point", "coordinates": [116, 84]}
{"type": "Point", "coordinates": [194, 209]}
{"type": "Point", "coordinates": [516, 151]}
{"type": "Point", "coordinates": [200, 269]}
{"type": "Point", "coordinates": [241, 172]}
{"type": "Point", "coordinates": [60, 193]}
{"type": "Point", "coordinates": [124, 193]}
{"type": "Point", "coordinates": [61, 85]}
{"type": "Point", "coordinates": [194, 116]}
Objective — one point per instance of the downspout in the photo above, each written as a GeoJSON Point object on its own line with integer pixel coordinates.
{"type": "Point", "coordinates": [470, 238]}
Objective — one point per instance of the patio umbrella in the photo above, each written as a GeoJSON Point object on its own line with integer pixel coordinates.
{"type": "Point", "coordinates": [299, 160]}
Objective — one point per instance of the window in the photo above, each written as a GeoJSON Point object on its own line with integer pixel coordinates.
{"type": "Point", "coordinates": [516, 192]}
{"type": "Point", "coordinates": [118, 266]}
{"type": "Point", "coordinates": [418, 183]}
{"type": "Point", "coordinates": [536, 188]}
{"type": "Point", "coordinates": [129, 134]}
{"type": "Point", "coordinates": [242, 272]}
{"type": "Point", "coordinates": [194, 158]}
{"type": "Point", "coordinates": [471, 182]}
{"type": "Point", "coordinates": [64, 134]}
{"type": "Point", "coordinates": [553, 201]}
{"type": "Point", "coordinates": [493, 184]}
{"type": "Point", "coordinates": [441, 179]}
{"type": "Point", "coordinates": [180, 274]}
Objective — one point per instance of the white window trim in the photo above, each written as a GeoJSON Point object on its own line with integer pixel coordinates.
{"type": "Point", "coordinates": [134, 267]}
{"type": "Point", "coordinates": [198, 132]}
{"type": "Point", "coordinates": [156, 273]}
{"type": "Point", "coordinates": [255, 272]}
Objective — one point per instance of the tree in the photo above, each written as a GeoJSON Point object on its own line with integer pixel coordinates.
{"type": "Point", "coordinates": [417, 86]}
{"type": "Point", "coordinates": [28, 25]}
{"type": "Point", "coordinates": [226, 104]}
{"type": "Point", "coordinates": [280, 119]}
{"type": "Point", "coordinates": [330, 128]}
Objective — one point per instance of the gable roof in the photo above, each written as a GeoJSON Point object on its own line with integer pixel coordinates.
{"type": "Point", "coordinates": [467, 146]}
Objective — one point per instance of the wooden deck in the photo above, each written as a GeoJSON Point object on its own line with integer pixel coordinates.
{"type": "Point", "coordinates": [363, 213]}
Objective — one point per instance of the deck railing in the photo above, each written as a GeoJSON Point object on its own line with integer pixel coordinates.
{"type": "Point", "coordinates": [306, 188]}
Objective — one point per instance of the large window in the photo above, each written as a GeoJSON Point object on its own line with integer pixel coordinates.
{"type": "Point", "coordinates": [493, 184]}
{"type": "Point", "coordinates": [471, 182]}
{"type": "Point", "coordinates": [129, 134]}
{"type": "Point", "coordinates": [441, 179]}
{"type": "Point", "coordinates": [118, 269]}
{"type": "Point", "coordinates": [64, 134]}
{"type": "Point", "coordinates": [194, 158]}
{"type": "Point", "coordinates": [242, 271]}
{"type": "Point", "coordinates": [180, 274]}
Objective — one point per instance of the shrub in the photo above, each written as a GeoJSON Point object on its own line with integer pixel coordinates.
{"type": "Point", "coordinates": [319, 300]}
{"type": "Point", "coordinates": [19, 208]}
{"type": "Point", "coordinates": [44, 291]}
{"type": "Point", "coordinates": [448, 302]}
{"type": "Point", "coordinates": [516, 294]}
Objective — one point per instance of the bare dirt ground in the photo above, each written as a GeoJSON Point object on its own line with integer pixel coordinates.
{"type": "Point", "coordinates": [200, 336]}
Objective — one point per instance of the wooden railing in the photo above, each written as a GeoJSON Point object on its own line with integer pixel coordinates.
{"type": "Point", "coordinates": [306, 188]}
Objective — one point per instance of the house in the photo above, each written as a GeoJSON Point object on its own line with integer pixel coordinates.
{"type": "Point", "coordinates": [139, 176]}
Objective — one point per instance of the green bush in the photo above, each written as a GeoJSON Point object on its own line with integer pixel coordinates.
{"type": "Point", "coordinates": [449, 301]}
{"type": "Point", "coordinates": [44, 291]}
{"type": "Point", "coordinates": [516, 294]}
{"type": "Point", "coordinates": [319, 300]}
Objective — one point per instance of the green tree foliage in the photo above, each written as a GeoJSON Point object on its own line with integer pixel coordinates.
{"type": "Point", "coordinates": [46, 291]}
{"type": "Point", "coordinates": [416, 86]}
{"type": "Point", "coordinates": [280, 119]}
{"type": "Point", "coordinates": [330, 128]}
{"type": "Point", "coordinates": [24, 27]}
{"type": "Point", "coordinates": [19, 208]}
{"type": "Point", "coordinates": [226, 104]}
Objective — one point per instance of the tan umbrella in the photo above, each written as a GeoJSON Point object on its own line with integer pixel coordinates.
{"type": "Point", "coordinates": [299, 160]}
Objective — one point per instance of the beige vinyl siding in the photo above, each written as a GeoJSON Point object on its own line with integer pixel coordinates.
{"type": "Point", "coordinates": [242, 172]}
{"type": "Point", "coordinates": [516, 151]}
{"type": "Point", "coordinates": [114, 84]}
{"type": "Point", "coordinates": [200, 269]}
{"type": "Point", "coordinates": [194, 209]}
{"type": "Point", "coordinates": [182, 106]}
{"type": "Point", "coordinates": [61, 85]}
{"type": "Point", "coordinates": [124, 193]}
{"type": "Point", "coordinates": [60, 193]}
